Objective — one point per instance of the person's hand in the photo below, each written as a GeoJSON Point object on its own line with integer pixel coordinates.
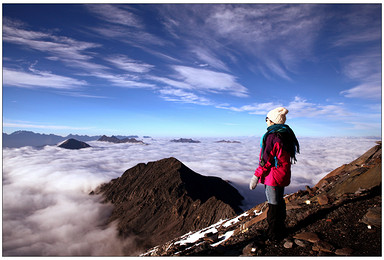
{"type": "Point", "coordinates": [253, 183]}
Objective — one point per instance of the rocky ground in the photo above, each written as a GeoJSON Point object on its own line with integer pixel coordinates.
{"type": "Point", "coordinates": [341, 215]}
{"type": "Point", "coordinates": [333, 231]}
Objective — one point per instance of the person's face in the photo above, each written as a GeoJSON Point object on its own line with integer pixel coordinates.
{"type": "Point", "coordinates": [269, 122]}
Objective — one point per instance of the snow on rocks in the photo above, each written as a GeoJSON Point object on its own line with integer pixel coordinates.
{"type": "Point", "coordinates": [214, 235]}
{"type": "Point", "coordinates": [193, 237]}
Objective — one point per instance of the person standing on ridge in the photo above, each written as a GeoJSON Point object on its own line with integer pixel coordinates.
{"type": "Point", "coordinates": [279, 146]}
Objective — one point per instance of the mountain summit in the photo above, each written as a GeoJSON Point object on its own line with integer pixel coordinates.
{"type": "Point", "coordinates": [73, 144]}
{"type": "Point", "coordinates": [164, 199]}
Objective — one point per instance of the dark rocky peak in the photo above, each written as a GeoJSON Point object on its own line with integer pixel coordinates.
{"type": "Point", "coordinates": [111, 139]}
{"type": "Point", "coordinates": [228, 142]}
{"type": "Point", "coordinates": [202, 188]}
{"type": "Point", "coordinates": [114, 139]}
{"type": "Point", "coordinates": [164, 199]}
{"type": "Point", "coordinates": [23, 132]}
{"type": "Point", "coordinates": [131, 140]}
{"type": "Point", "coordinates": [73, 144]}
{"type": "Point", "coordinates": [185, 140]}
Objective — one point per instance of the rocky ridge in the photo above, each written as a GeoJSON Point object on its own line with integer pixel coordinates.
{"type": "Point", "coordinates": [185, 140]}
{"type": "Point", "coordinates": [116, 140]}
{"type": "Point", "coordinates": [228, 142]}
{"type": "Point", "coordinates": [340, 215]}
{"type": "Point", "coordinates": [160, 200]}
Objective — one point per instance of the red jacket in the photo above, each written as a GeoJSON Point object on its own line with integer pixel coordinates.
{"type": "Point", "coordinates": [277, 169]}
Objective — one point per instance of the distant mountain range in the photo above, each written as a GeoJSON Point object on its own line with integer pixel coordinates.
{"type": "Point", "coordinates": [184, 140]}
{"type": "Point", "coordinates": [29, 138]}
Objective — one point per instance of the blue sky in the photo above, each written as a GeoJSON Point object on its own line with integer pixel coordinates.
{"type": "Point", "coordinates": [191, 70]}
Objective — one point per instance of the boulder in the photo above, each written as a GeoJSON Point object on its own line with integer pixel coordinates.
{"type": "Point", "coordinates": [250, 250]}
{"type": "Point", "coordinates": [301, 243]}
{"type": "Point", "coordinates": [323, 246]}
{"type": "Point", "coordinates": [322, 199]}
{"type": "Point", "coordinates": [288, 244]}
{"type": "Point", "coordinates": [307, 236]}
{"type": "Point", "coordinates": [346, 251]}
{"type": "Point", "coordinates": [373, 217]}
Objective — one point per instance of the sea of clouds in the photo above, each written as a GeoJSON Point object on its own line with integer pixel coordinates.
{"type": "Point", "coordinates": [47, 209]}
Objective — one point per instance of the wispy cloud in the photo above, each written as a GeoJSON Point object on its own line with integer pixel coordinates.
{"type": "Point", "coordinates": [179, 95]}
{"type": "Point", "coordinates": [74, 54]}
{"type": "Point", "coordinates": [276, 69]}
{"type": "Point", "coordinates": [135, 37]}
{"type": "Point", "coordinates": [277, 37]}
{"type": "Point", "coordinates": [115, 14]}
{"type": "Point", "coordinates": [127, 64]}
{"type": "Point", "coordinates": [123, 25]}
{"type": "Point", "coordinates": [256, 108]}
{"type": "Point", "coordinates": [299, 107]}
{"type": "Point", "coordinates": [23, 125]}
{"type": "Point", "coordinates": [371, 90]}
{"type": "Point", "coordinates": [39, 79]}
{"type": "Point", "coordinates": [210, 81]}
{"type": "Point", "coordinates": [364, 69]}
{"type": "Point", "coordinates": [359, 24]}
{"type": "Point", "coordinates": [206, 55]}
{"type": "Point", "coordinates": [369, 35]}
{"type": "Point", "coordinates": [123, 80]}
{"type": "Point", "coordinates": [82, 95]}
{"type": "Point", "coordinates": [359, 27]}
{"type": "Point", "coordinates": [200, 80]}
{"type": "Point", "coordinates": [58, 46]}
{"type": "Point", "coordinates": [84, 65]}
{"type": "Point", "coordinates": [171, 82]}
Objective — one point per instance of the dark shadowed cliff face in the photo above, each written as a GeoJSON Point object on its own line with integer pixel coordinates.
{"type": "Point", "coordinates": [165, 199]}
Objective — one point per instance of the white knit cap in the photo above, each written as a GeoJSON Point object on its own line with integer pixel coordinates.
{"type": "Point", "coordinates": [277, 115]}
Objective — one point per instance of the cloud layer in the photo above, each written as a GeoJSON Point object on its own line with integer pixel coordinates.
{"type": "Point", "coordinates": [47, 210]}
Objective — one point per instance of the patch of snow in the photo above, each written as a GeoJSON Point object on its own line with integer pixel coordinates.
{"type": "Point", "coordinates": [193, 237]}
{"type": "Point", "coordinates": [148, 253]}
{"type": "Point", "coordinates": [234, 220]}
{"type": "Point", "coordinates": [226, 237]}
{"type": "Point", "coordinates": [177, 253]}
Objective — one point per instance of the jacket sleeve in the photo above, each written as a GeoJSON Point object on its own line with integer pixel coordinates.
{"type": "Point", "coordinates": [267, 156]}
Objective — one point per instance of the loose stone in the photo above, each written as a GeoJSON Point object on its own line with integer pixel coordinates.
{"type": "Point", "coordinates": [308, 236]}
